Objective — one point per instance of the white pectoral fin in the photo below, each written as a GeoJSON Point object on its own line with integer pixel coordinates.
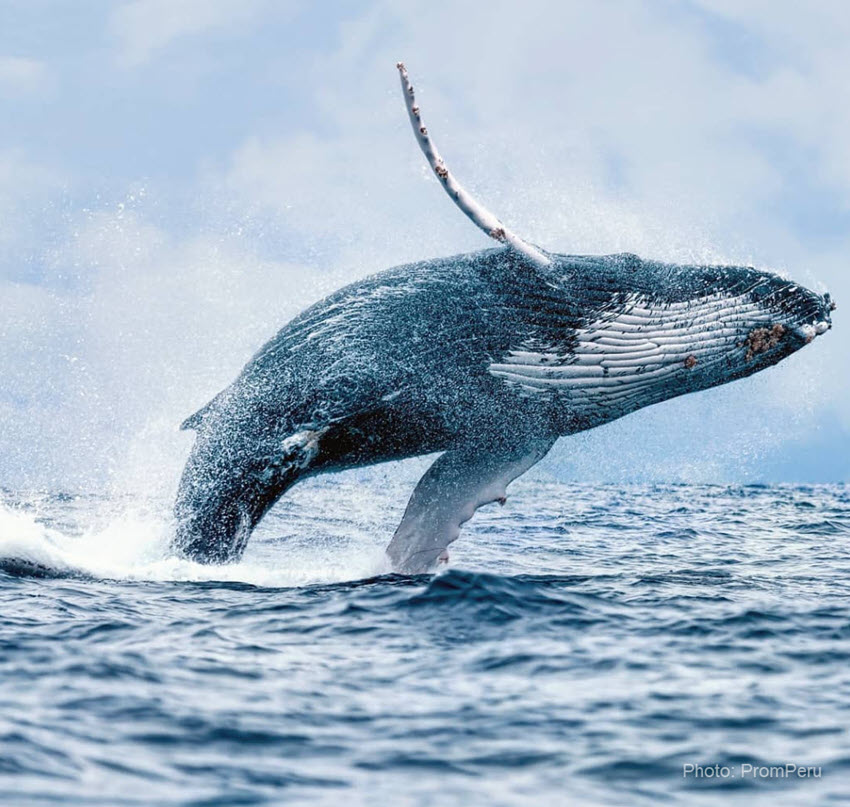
{"type": "Point", "coordinates": [447, 496]}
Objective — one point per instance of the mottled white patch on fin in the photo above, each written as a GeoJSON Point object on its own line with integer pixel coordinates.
{"type": "Point", "coordinates": [453, 488]}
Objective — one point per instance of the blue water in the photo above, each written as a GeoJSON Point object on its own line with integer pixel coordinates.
{"type": "Point", "coordinates": [584, 644]}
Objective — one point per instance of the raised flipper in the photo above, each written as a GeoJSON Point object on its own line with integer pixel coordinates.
{"type": "Point", "coordinates": [476, 212]}
{"type": "Point", "coordinates": [453, 488]}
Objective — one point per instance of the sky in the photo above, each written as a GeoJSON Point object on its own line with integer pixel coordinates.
{"type": "Point", "coordinates": [178, 178]}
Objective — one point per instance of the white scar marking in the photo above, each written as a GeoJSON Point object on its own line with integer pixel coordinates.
{"type": "Point", "coordinates": [305, 444]}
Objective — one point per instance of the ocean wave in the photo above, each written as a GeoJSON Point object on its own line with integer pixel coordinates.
{"type": "Point", "coordinates": [133, 545]}
{"type": "Point", "coordinates": [583, 645]}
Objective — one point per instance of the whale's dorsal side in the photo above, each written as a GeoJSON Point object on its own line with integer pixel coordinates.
{"type": "Point", "coordinates": [194, 421]}
{"type": "Point", "coordinates": [476, 212]}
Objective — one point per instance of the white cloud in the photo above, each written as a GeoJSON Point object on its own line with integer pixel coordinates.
{"type": "Point", "coordinates": [19, 75]}
{"type": "Point", "coordinates": [588, 127]}
{"type": "Point", "coordinates": [143, 27]}
{"type": "Point", "coordinates": [26, 189]}
{"type": "Point", "coordinates": [150, 329]}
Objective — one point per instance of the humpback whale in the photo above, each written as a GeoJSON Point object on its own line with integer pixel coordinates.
{"type": "Point", "coordinates": [487, 358]}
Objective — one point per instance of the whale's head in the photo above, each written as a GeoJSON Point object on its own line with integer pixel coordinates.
{"type": "Point", "coordinates": [643, 331]}
{"type": "Point", "coordinates": [775, 318]}
{"type": "Point", "coordinates": [735, 321]}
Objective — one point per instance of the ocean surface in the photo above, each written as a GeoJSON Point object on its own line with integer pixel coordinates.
{"type": "Point", "coordinates": [584, 645]}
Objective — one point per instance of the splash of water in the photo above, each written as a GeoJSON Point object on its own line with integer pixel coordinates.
{"type": "Point", "coordinates": [133, 545]}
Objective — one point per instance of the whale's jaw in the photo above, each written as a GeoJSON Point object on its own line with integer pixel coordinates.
{"type": "Point", "coordinates": [638, 348]}
{"type": "Point", "coordinates": [797, 316]}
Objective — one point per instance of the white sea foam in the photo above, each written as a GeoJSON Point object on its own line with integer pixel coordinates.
{"type": "Point", "coordinates": [134, 545]}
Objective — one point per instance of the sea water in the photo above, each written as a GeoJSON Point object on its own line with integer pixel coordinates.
{"type": "Point", "coordinates": [586, 644]}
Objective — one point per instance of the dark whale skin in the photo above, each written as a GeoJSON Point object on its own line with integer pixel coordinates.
{"type": "Point", "coordinates": [406, 362]}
